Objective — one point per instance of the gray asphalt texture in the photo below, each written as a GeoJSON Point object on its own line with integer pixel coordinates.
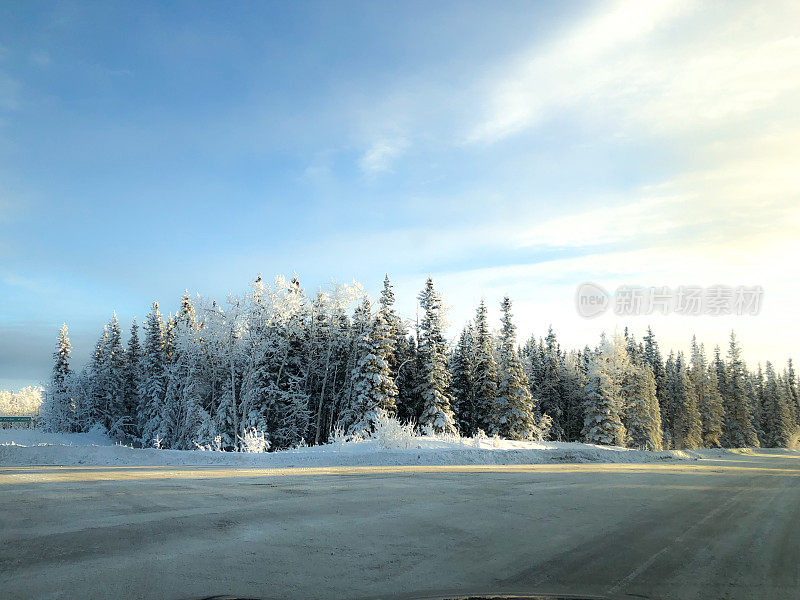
{"type": "Point", "coordinates": [725, 527]}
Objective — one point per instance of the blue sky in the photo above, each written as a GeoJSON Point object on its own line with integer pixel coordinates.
{"type": "Point", "coordinates": [515, 147]}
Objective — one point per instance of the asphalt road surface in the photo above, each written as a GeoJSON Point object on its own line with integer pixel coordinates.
{"type": "Point", "coordinates": [701, 529]}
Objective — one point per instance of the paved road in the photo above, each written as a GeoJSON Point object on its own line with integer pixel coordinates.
{"type": "Point", "coordinates": [707, 529]}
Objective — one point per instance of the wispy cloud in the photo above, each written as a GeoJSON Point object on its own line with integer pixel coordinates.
{"type": "Point", "coordinates": [381, 154]}
{"type": "Point", "coordinates": [665, 66]}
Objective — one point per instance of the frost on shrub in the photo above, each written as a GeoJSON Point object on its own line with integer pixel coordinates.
{"type": "Point", "coordinates": [391, 433]}
{"type": "Point", "coordinates": [214, 445]}
{"type": "Point", "coordinates": [441, 435]}
{"type": "Point", "coordinates": [480, 438]}
{"type": "Point", "coordinates": [541, 428]}
{"type": "Point", "coordinates": [98, 430]}
{"type": "Point", "coordinates": [254, 441]}
{"type": "Point", "coordinates": [339, 437]}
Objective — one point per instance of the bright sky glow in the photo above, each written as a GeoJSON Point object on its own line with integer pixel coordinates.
{"type": "Point", "coordinates": [519, 148]}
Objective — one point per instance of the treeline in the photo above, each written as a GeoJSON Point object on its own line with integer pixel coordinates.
{"type": "Point", "coordinates": [295, 370]}
{"type": "Point", "coordinates": [25, 402]}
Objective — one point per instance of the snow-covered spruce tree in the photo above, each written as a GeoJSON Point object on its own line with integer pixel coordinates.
{"type": "Point", "coordinates": [572, 384]}
{"type": "Point", "coordinates": [712, 411]}
{"type": "Point", "coordinates": [738, 430]}
{"type": "Point", "coordinates": [293, 415]}
{"type": "Point", "coordinates": [362, 318]}
{"type": "Point", "coordinates": [703, 383]}
{"type": "Point", "coordinates": [182, 414]}
{"type": "Point", "coordinates": [58, 409]}
{"type": "Point", "coordinates": [434, 381]}
{"type": "Point", "coordinates": [93, 409]}
{"type": "Point", "coordinates": [668, 408]}
{"type": "Point", "coordinates": [172, 429]}
{"type": "Point", "coordinates": [652, 356]}
{"type": "Point", "coordinates": [635, 349]}
{"type": "Point", "coordinates": [260, 347]}
{"type": "Point", "coordinates": [322, 330]}
{"type": "Point", "coordinates": [290, 413]}
{"type": "Point", "coordinates": [151, 392]}
{"type": "Point", "coordinates": [225, 328]}
{"type": "Point", "coordinates": [755, 399]}
{"type": "Point", "coordinates": [778, 421]}
{"type": "Point", "coordinates": [462, 366]}
{"type": "Point", "coordinates": [485, 372]}
{"type": "Point", "coordinates": [397, 348]}
{"type": "Point", "coordinates": [196, 427]}
{"type": "Point", "coordinates": [603, 406]}
{"type": "Point", "coordinates": [686, 425]}
{"type": "Point", "coordinates": [133, 382]}
{"type": "Point", "coordinates": [794, 398]}
{"type": "Point", "coordinates": [549, 389]}
{"type": "Point", "coordinates": [515, 416]}
{"type": "Point", "coordinates": [374, 389]}
{"type": "Point", "coordinates": [532, 353]}
{"type": "Point", "coordinates": [757, 396]}
{"type": "Point", "coordinates": [115, 419]}
{"type": "Point", "coordinates": [642, 418]}
{"type": "Point", "coordinates": [336, 377]}
{"type": "Point", "coordinates": [409, 376]}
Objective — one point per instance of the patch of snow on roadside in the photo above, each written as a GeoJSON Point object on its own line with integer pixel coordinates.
{"type": "Point", "coordinates": [36, 437]}
{"type": "Point", "coordinates": [22, 447]}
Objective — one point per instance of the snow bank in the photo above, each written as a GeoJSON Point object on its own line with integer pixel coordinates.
{"type": "Point", "coordinates": [35, 437]}
{"type": "Point", "coordinates": [22, 448]}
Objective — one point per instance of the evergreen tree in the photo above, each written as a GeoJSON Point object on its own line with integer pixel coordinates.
{"type": "Point", "coordinates": [94, 409]}
{"type": "Point", "coordinates": [514, 405]}
{"type": "Point", "coordinates": [182, 414]}
{"type": "Point", "coordinates": [179, 405]}
{"type": "Point", "coordinates": [397, 334]}
{"type": "Point", "coordinates": [485, 372]}
{"type": "Point", "coordinates": [652, 356]}
{"type": "Point", "coordinates": [755, 393]}
{"type": "Point", "coordinates": [409, 384]}
{"type": "Point", "coordinates": [132, 383]}
{"type": "Point", "coordinates": [291, 410]}
{"type": "Point", "coordinates": [791, 385]}
{"type": "Point", "coordinates": [463, 384]}
{"type": "Point", "coordinates": [153, 364]}
{"type": "Point", "coordinates": [548, 391]}
{"type": "Point", "coordinates": [738, 430]}
{"type": "Point", "coordinates": [703, 384]}
{"type": "Point", "coordinates": [434, 383]}
{"type": "Point", "coordinates": [108, 383]}
{"type": "Point", "coordinates": [686, 425]}
{"type": "Point", "coordinates": [329, 342]}
{"type": "Point", "coordinates": [642, 414]}
{"type": "Point", "coordinates": [59, 407]}
{"type": "Point", "coordinates": [712, 411]}
{"type": "Point", "coordinates": [572, 384]}
{"type": "Point", "coordinates": [604, 402]}
{"type": "Point", "coordinates": [374, 390]}
{"type": "Point", "coordinates": [778, 424]}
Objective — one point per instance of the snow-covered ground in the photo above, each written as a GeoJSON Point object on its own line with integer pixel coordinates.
{"type": "Point", "coordinates": [32, 447]}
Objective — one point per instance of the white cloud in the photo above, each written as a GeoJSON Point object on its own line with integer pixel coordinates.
{"type": "Point", "coordinates": [605, 225]}
{"type": "Point", "coordinates": [381, 154]}
{"type": "Point", "coordinates": [669, 67]}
